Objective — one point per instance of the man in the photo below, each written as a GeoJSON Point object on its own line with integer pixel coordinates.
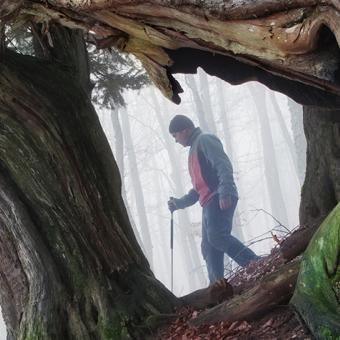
{"type": "Point", "coordinates": [211, 174]}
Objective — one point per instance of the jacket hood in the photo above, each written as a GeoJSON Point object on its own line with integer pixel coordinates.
{"type": "Point", "coordinates": [195, 133]}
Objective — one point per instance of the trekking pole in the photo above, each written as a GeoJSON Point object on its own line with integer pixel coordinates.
{"type": "Point", "coordinates": [172, 249]}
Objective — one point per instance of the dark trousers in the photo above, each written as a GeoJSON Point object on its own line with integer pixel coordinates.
{"type": "Point", "coordinates": [217, 240]}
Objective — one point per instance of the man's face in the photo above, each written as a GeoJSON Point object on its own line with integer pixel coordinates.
{"type": "Point", "coordinates": [182, 137]}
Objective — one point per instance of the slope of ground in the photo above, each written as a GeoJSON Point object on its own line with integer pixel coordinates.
{"type": "Point", "coordinates": [279, 323]}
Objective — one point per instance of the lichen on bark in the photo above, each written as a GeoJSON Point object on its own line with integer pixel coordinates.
{"type": "Point", "coordinates": [315, 295]}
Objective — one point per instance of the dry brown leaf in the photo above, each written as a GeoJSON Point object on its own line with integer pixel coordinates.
{"type": "Point", "coordinates": [268, 323]}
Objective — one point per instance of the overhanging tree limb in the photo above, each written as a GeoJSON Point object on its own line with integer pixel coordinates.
{"type": "Point", "coordinates": [264, 37]}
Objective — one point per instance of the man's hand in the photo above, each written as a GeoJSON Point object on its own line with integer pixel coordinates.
{"type": "Point", "coordinates": [172, 204]}
{"type": "Point", "coordinates": [225, 203]}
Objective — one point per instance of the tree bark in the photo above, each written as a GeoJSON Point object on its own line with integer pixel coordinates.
{"type": "Point", "coordinates": [321, 189]}
{"type": "Point", "coordinates": [286, 45]}
{"type": "Point", "coordinates": [71, 264]}
{"type": "Point", "coordinates": [317, 292]}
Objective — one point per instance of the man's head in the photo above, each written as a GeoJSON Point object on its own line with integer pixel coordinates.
{"type": "Point", "coordinates": [181, 128]}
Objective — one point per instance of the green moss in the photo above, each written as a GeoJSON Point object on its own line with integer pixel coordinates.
{"type": "Point", "coordinates": [115, 330]}
{"type": "Point", "coordinates": [77, 275]}
{"type": "Point", "coordinates": [337, 290]}
{"type": "Point", "coordinates": [327, 334]}
{"type": "Point", "coordinates": [315, 295]}
{"type": "Point", "coordinates": [34, 332]}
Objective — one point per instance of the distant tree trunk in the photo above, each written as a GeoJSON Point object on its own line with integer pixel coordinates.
{"type": "Point", "coordinates": [296, 118]}
{"type": "Point", "coordinates": [119, 156]}
{"type": "Point", "coordinates": [271, 171]}
{"type": "Point", "coordinates": [137, 185]}
{"type": "Point", "coordinates": [163, 230]}
{"type": "Point", "coordinates": [224, 118]}
{"type": "Point", "coordinates": [285, 133]}
{"type": "Point", "coordinates": [70, 265]}
{"type": "Point", "coordinates": [119, 140]}
{"type": "Point", "coordinates": [191, 258]}
{"type": "Point", "coordinates": [199, 108]}
{"type": "Point", "coordinates": [321, 189]}
{"type": "Point", "coordinates": [206, 100]}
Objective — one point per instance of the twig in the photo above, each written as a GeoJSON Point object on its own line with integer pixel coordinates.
{"type": "Point", "coordinates": [274, 218]}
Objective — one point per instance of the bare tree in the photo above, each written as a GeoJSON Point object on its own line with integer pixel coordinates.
{"type": "Point", "coordinates": [119, 156]}
{"type": "Point", "coordinates": [296, 114]}
{"type": "Point", "coordinates": [136, 185]}
{"type": "Point", "coordinates": [224, 117]}
{"type": "Point", "coordinates": [199, 107]}
{"type": "Point", "coordinates": [287, 138]}
{"type": "Point", "coordinates": [272, 177]}
{"type": "Point", "coordinates": [206, 100]}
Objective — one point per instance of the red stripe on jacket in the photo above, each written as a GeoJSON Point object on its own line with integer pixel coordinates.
{"type": "Point", "coordinates": [198, 182]}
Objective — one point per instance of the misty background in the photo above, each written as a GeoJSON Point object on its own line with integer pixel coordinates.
{"type": "Point", "coordinates": [262, 133]}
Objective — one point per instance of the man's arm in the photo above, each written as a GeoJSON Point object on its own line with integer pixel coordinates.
{"type": "Point", "coordinates": [185, 201]}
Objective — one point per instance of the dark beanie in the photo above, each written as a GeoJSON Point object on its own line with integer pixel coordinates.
{"type": "Point", "coordinates": [179, 123]}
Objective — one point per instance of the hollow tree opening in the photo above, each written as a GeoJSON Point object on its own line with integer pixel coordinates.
{"type": "Point", "coordinates": [67, 251]}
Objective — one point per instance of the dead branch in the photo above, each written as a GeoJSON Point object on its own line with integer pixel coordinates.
{"type": "Point", "coordinates": [274, 289]}
{"type": "Point", "coordinates": [209, 296]}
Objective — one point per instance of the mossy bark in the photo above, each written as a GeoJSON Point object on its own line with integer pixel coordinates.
{"type": "Point", "coordinates": [71, 268]}
{"type": "Point", "coordinates": [316, 295]}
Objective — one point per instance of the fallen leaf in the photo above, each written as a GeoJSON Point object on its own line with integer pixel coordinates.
{"type": "Point", "coordinates": [268, 323]}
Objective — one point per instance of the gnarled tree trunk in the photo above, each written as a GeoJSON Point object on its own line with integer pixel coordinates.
{"type": "Point", "coordinates": [321, 189]}
{"type": "Point", "coordinates": [71, 268]}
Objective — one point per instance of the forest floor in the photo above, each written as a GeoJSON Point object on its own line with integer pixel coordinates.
{"type": "Point", "coordinates": [280, 323]}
